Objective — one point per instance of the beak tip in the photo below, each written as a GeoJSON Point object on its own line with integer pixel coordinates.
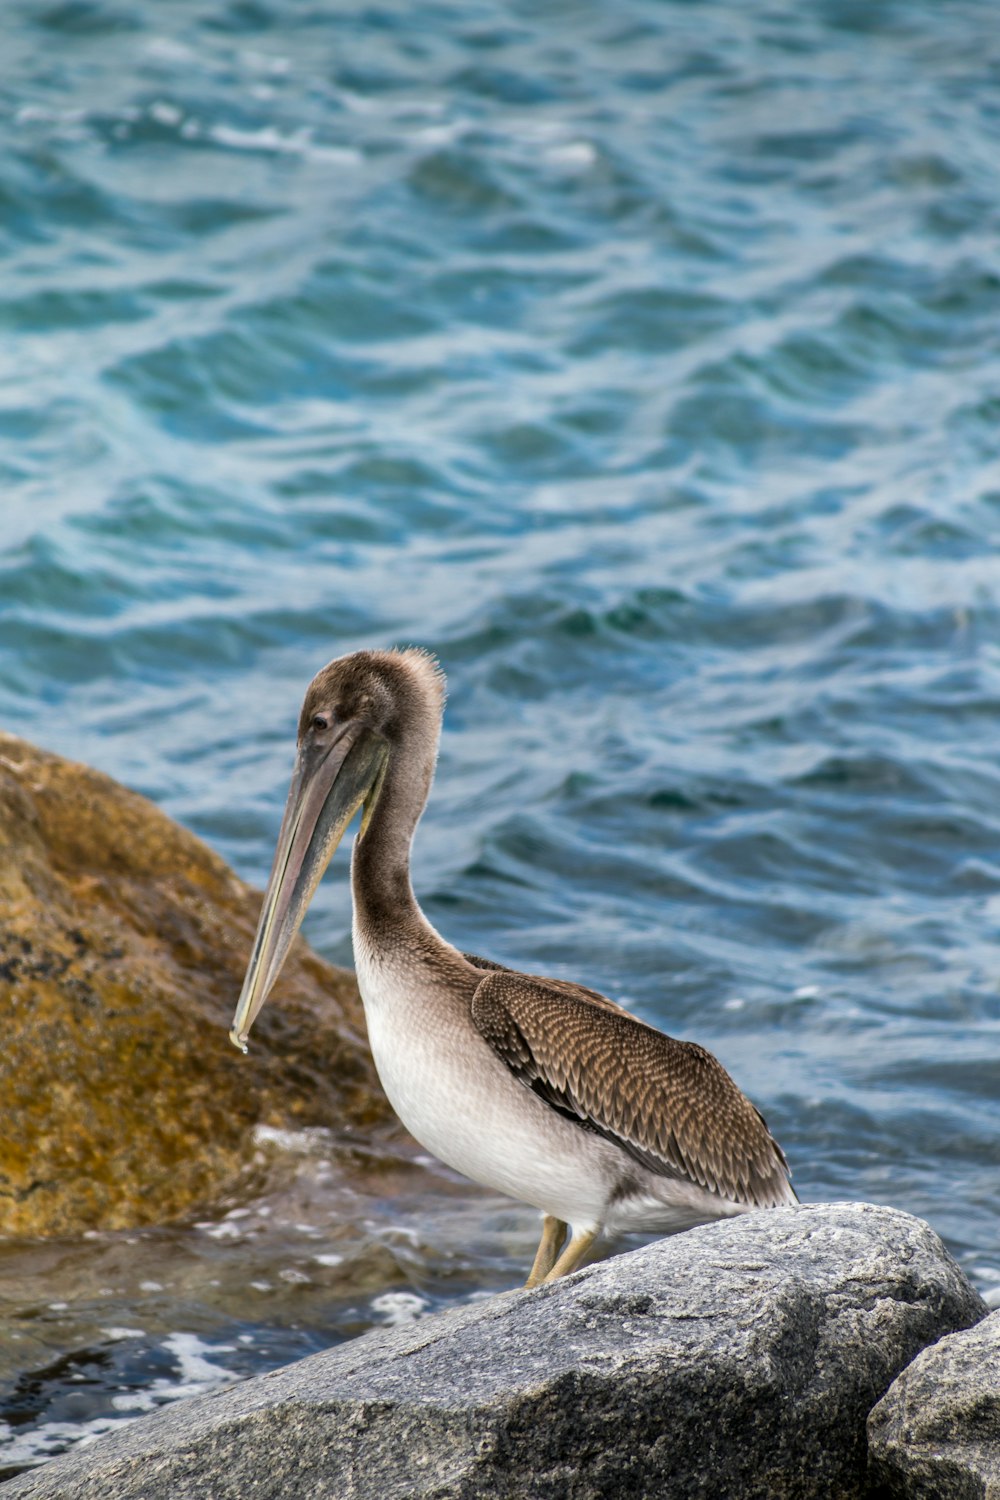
{"type": "Point", "coordinates": [239, 1040]}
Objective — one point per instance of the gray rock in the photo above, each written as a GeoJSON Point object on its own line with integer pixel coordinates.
{"type": "Point", "coordinates": [935, 1435]}
{"type": "Point", "coordinates": [739, 1359]}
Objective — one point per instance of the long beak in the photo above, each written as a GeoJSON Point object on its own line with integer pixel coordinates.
{"type": "Point", "coordinates": [328, 786]}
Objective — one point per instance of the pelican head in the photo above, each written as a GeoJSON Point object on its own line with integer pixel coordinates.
{"type": "Point", "coordinates": [355, 717]}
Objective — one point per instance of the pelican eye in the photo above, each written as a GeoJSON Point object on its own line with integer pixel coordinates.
{"type": "Point", "coordinates": [320, 722]}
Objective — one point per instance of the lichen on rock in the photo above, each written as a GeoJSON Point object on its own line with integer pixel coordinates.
{"type": "Point", "coordinates": [123, 941]}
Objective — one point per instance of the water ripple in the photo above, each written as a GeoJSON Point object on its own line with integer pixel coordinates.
{"type": "Point", "coordinates": [642, 363]}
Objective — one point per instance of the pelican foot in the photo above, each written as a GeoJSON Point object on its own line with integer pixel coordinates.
{"type": "Point", "coordinates": [553, 1234]}
{"type": "Point", "coordinates": [573, 1254]}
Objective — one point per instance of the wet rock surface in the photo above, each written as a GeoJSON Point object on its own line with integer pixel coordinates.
{"type": "Point", "coordinates": [123, 941]}
{"type": "Point", "coordinates": [737, 1359]}
{"type": "Point", "coordinates": [935, 1435]}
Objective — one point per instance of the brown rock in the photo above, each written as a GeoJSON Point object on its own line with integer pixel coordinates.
{"type": "Point", "coordinates": [123, 941]}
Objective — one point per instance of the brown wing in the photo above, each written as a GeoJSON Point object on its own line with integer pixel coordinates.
{"type": "Point", "coordinates": [560, 986]}
{"type": "Point", "coordinates": [670, 1105]}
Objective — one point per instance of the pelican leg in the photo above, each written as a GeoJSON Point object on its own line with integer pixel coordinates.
{"type": "Point", "coordinates": [573, 1254]}
{"type": "Point", "coordinates": [553, 1234]}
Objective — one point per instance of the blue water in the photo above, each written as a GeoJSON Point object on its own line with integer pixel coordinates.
{"type": "Point", "coordinates": [643, 361]}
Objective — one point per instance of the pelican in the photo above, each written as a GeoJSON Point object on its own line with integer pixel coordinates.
{"type": "Point", "coordinates": [538, 1088]}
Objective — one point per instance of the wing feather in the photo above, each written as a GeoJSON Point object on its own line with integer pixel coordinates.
{"type": "Point", "coordinates": [670, 1105]}
{"type": "Point", "coordinates": [560, 986]}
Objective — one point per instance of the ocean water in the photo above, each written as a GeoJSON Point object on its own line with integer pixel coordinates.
{"type": "Point", "coordinates": [642, 361]}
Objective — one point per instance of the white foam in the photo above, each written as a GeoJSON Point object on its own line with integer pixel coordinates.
{"type": "Point", "coordinates": [164, 113]}
{"type": "Point", "coordinates": [195, 1375]}
{"type": "Point", "coordinates": [228, 1228]}
{"type": "Point", "coordinates": [435, 136]}
{"type": "Point", "coordinates": [166, 49]}
{"type": "Point", "coordinates": [394, 1309]}
{"type": "Point", "coordinates": [296, 1142]}
{"type": "Point", "coordinates": [402, 1232]}
{"type": "Point", "coordinates": [263, 62]}
{"type": "Point", "coordinates": [223, 1231]}
{"type": "Point", "coordinates": [32, 114]}
{"type": "Point", "coordinates": [134, 1401]}
{"type": "Point", "coordinates": [196, 1372]}
{"type": "Point", "coordinates": [574, 156]}
{"type": "Point", "coordinates": [297, 143]}
{"type": "Point", "coordinates": [29, 1449]}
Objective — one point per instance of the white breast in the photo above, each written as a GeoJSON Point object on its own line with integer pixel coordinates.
{"type": "Point", "coordinates": [459, 1100]}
